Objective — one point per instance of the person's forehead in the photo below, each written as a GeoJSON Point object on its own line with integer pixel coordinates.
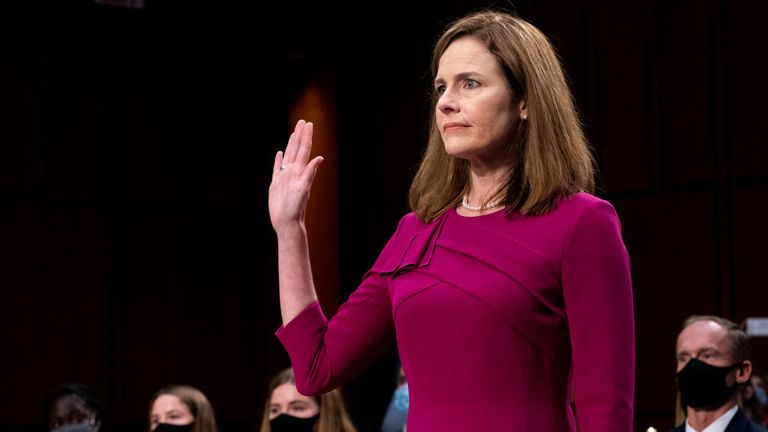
{"type": "Point", "coordinates": [68, 405]}
{"type": "Point", "coordinates": [168, 402]}
{"type": "Point", "coordinates": [701, 335]}
{"type": "Point", "coordinates": [465, 52]}
{"type": "Point", "coordinates": [287, 393]}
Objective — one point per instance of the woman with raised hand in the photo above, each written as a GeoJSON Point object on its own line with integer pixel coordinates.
{"type": "Point", "coordinates": [507, 288]}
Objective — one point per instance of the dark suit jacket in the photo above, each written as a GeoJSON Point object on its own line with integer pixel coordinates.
{"type": "Point", "coordinates": [739, 423]}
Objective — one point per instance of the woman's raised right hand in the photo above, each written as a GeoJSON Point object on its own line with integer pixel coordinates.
{"type": "Point", "coordinates": [292, 177]}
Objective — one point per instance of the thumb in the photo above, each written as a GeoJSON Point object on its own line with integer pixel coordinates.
{"type": "Point", "coordinates": [311, 170]}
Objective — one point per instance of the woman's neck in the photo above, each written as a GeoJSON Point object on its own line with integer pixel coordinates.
{"type": "Point", "coordinates": [486, 184]}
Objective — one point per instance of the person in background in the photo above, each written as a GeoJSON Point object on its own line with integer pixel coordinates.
{"type": "Point", "coordinates": [754, 399]}
{"type": "Point", "coordinates": [72, 408]}
{"type": "Point", "coordinates": [180, 408]}
{"type": "Point", "coordinates": [712, 367]}
{"type": "Point", "coordinates": [397, 411]}
{"type": "Point", "coordinates": [287, 410]}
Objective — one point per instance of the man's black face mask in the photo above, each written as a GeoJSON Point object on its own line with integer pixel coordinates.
{"type": "Point", "coordinates": [703, 385]}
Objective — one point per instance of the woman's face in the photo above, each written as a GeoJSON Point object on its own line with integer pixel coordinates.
{"type": "Point", "coordinates": [477, 112]}
{"type": "Point", "coordinates": [170, 409]}
{"type": "Point", "coordinates": [286, 399]}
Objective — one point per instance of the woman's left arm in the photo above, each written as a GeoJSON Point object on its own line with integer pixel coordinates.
{"type": "Point", "coordinates": [597, 289]}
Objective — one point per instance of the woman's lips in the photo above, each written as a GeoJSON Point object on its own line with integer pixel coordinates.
{"type": "Point", "coordinates": [450, 127]}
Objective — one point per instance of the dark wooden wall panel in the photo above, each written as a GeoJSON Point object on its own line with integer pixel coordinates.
{"type": "Point", "coordinates": [569, 26]}
{"type": "Point", "coordinates": [750, 262]}
{"type": "Point", "coordinates": [672, 263]}
{"type": "Point", "coordinates": [621, 83]}
{"type": "Point", "coordinates": [684, 92]}
{"type": "Point", "coordinates": [52, 302]}
{"type": "Point", "coordinates": [186, 283]}
{"type": "Point", "coordinates": [17, 86]}
{"type": "Point", "coordinates": [746, 87]}
{"type": "Point", "coordinates": [17, 150]}
{"type": "Point", "coordinates": [132, 158]}
{"type": "Point", "coordinates": [750, 254]}
{"type": "Point", "coordinates": [73, 92]}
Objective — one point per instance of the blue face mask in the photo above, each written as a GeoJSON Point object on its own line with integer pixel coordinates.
{"type": "Point", "coordinates": [86, 426]}
{"type": "Point", "coordinates": [397, 412]}
{"type": "Point", "coordinates": [402, 398]}
{"type": "Point", "coordinates": [760, 395]}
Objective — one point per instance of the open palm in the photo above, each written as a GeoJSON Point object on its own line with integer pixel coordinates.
{"type": "Point", "coordinates": [292, 177]}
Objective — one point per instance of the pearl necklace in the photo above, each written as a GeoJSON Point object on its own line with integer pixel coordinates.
{"type": "Point", "coordinates": [490, 205]}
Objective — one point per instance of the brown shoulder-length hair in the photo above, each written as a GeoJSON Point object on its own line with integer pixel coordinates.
{"type": "Point", "coordinates": [195, 400]}
{"type": "Point", "coordinates": [551, 157]}
{"type": "Point", "coordinates": [333, 412]}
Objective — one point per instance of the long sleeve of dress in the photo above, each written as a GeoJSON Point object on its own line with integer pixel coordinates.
{"type": "Point", "coordinates": [325, 354]}
{"type": "Point", "coordinates": [597, 290]}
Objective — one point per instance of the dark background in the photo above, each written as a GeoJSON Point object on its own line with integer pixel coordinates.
{"type": "Point", "coordinates": [136, 149]}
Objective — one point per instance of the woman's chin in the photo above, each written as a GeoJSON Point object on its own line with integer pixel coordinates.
{"type": "Point", "coordinates": [458, 151]}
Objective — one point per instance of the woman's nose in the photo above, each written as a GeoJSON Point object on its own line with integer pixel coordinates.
{"type": "Point", "coordinates": [447, 102]}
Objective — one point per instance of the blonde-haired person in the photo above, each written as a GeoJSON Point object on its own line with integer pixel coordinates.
{"type": "Point", "coordinates": [287, 410]}
{"type": "Point", "coordinates": [508, 287]}
{"type": "Point", "coordinates": [180, 408]}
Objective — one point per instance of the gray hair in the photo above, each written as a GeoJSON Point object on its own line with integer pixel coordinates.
{"type": "Point", "coordinates": [740, 349]}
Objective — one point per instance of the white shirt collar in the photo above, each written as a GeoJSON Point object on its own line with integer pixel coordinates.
{"type": "Point", "coordinates": [718, 425]}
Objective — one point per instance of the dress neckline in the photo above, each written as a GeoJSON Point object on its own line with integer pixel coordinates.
{"type": "Point", "coordinates": [455, 211]}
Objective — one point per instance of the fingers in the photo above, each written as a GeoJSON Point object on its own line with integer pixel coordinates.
{"type": "Point", "coordinates": [278, 164]}
{"type": "Point", "coordinates": [305, 144]}
{"type": "Point", "coordinates": [294, 143]}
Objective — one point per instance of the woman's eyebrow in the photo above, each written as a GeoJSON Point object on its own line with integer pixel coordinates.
{"type": "Point", "coordinates": [460, 76]}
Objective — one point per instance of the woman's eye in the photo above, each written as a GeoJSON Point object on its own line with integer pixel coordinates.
{"type": "Point", "coordinates": [440, 89]}
{"type": "Point", "coordinates": [470, 83]}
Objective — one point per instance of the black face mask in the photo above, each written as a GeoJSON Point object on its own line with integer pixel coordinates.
{"type": "Point", "coordinates": [289, 423]}
{"type": "Point", "coordinates": [167, 427]}
{"type": "Point", "coordinates": [703, 385]}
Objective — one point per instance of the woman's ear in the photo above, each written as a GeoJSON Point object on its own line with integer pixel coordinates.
{"type": "Point", "coordinates": [522, 109]}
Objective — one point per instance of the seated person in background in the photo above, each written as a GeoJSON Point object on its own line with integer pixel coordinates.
{"type": "Point", "coordinates": [286, 410]}
{"type": "Point", "coordinates": [754, 399]}
{"type": "Point", "coordinates": [72, 408]}
{"type": "Point", "coordinates": [712, 366]}
{"type": "Point", "coordinates": [397, 412]}
{"type": "Point", "coordinates": [180, 408]}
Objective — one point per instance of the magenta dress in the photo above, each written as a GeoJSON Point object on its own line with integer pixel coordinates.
{"type": "Point", "coordinates": [500, 321]}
